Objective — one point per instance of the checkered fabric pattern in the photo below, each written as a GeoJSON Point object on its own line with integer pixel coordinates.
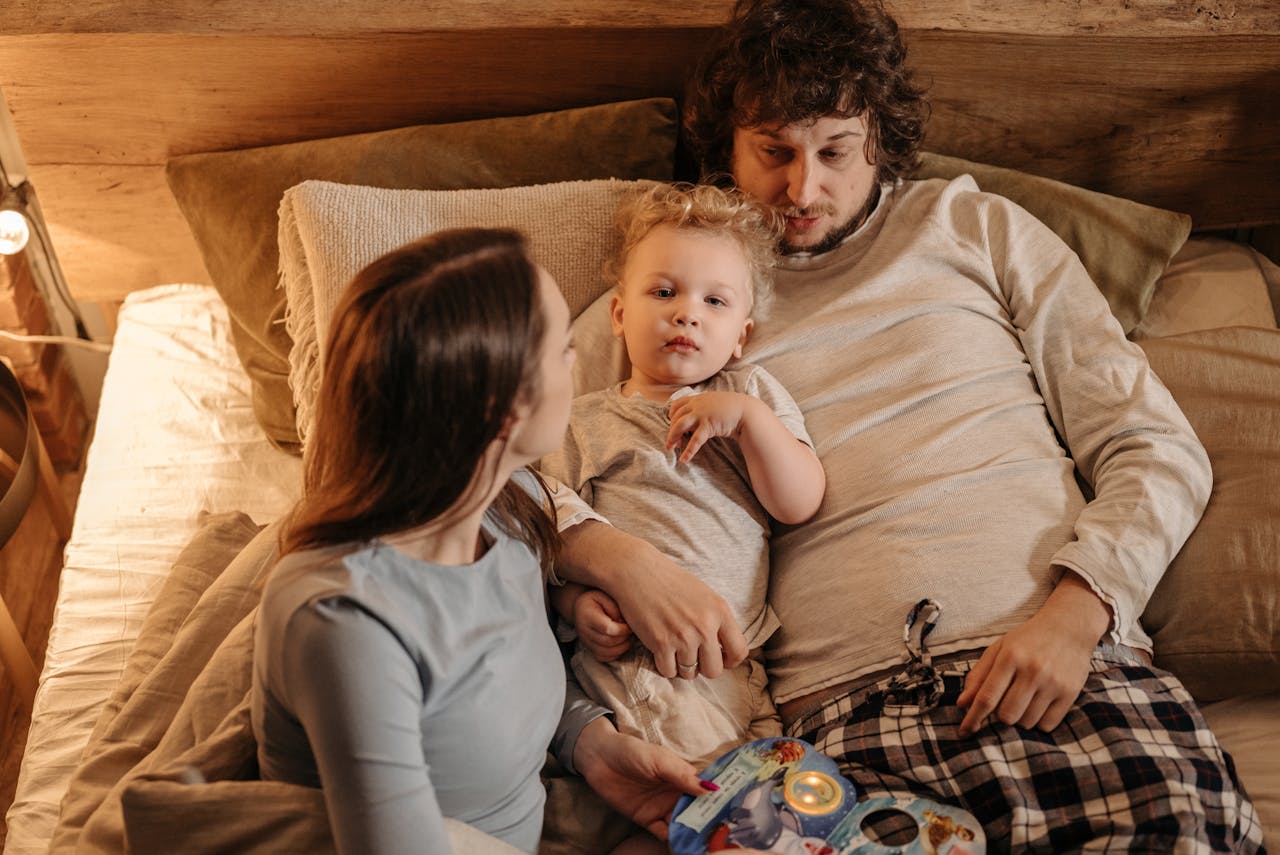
{"type": "Point", "coordinates": [1133, 767]}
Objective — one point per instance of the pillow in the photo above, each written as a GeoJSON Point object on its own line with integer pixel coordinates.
{"type": "Point", "coordinates": [1124, 245]}
{"type": "Point", "coordinates": [1209, 283]}
{"type": "Point", "coordinates": [229, 200]}
{"type": "Point", "coordinates": [1246, 729]}
{"type": "Point", "coordinates": [328, 232]}
{"type": "Point", "coordinates": [593, 334]}
{"type": "Point", "coordinates": [1215, 616]}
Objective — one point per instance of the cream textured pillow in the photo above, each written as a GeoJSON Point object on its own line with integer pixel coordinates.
{"type": "Point", "coordinates": [329, 232]}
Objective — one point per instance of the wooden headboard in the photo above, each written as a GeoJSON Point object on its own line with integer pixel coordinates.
{"type": "Point", "coordinates": [1171, 103]}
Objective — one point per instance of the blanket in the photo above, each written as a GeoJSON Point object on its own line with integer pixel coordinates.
{"type": "Point", "coordinates": [172, 764]}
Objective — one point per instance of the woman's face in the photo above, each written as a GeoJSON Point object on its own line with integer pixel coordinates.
{"type": "Point", "coordinates": [542, 420]}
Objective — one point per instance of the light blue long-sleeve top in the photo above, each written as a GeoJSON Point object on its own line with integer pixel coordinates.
{"type": "Point", "coordinates": [411, 691]}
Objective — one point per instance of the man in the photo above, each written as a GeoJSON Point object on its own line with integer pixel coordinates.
{"type": "Point", "coordinates": [944, 345]}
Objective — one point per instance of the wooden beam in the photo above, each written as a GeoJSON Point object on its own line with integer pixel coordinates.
{"type": "Point", "coordinates": [321, 17]}
{"type": "Point", "coordinates": [150, 97]}
{"type": "Point", "coordinates": [1184, 122]}
{"type": "Point", "coordinates": [1137, 118]}
{"type": "Point", "coordinates": [116, 229]}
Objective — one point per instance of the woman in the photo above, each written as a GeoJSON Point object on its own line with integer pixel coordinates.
{"type": "Point", "coordinates": [404, 662]}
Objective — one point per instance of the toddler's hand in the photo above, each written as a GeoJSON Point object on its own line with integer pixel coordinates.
{"type": "Point", "coordinates": [600, 625]}
{"type": "Point", "coordinates": [697, 418]}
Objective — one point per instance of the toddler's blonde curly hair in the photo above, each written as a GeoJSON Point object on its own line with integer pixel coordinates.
{"type": "Point", "coordinates": [704, 207]}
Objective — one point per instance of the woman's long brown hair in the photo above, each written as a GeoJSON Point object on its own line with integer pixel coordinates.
{"type": "Point", "coordinates": [431, 347]}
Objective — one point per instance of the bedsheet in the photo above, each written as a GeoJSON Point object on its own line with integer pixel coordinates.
{"type": "Point", "coordinates": [175, 435]}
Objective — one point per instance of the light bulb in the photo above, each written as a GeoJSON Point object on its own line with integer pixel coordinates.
{"type": "Point", "coordinates": [14, 232]}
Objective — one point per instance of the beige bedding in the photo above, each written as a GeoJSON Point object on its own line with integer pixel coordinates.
{"type": "Point", "coordinates": [171, 766]}
{"type": "Point", "coordinates": [171, 763]}
{"type": "Point", "coordinates": [134, 781]}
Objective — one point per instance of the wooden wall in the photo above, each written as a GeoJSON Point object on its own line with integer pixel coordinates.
{"type": "Point", "coordinates": [1171, 103]}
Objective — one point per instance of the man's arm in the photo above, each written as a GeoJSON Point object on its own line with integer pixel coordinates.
{"type": "Point", "coordinates": [675, 615]}
{"type": "Point", "coordinates": [1129, 440]}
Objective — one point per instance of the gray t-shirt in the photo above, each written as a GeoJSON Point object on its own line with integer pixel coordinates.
{"type": "Point", "coordinates": [454, 670]}
{"type": "Point", "coordinates": [702, 514]}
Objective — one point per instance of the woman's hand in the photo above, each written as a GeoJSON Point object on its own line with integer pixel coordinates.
{"type": "Point", "coordinates": [640, 780]}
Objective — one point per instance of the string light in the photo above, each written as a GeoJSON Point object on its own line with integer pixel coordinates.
{"type": "Point", "coordinates": [15, 224]}
{"type": "Point", "coordinates": [14, 232]}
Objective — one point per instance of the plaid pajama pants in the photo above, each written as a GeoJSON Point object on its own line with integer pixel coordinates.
{"type": "Point", "coordinates": [1133, 767]}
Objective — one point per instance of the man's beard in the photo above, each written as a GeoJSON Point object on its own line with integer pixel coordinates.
{"type": "Point", "coordinates": [836, 236]}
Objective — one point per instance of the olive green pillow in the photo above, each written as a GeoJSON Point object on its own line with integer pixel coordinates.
{"type": "Point", "coordinates": [1124, 245]}
{"type": "Point", "coordinates": [1215, 616]}
{"type": "Point", "coordinates": [230, 201]}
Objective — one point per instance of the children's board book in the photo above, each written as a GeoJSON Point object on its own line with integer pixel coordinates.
{"type": "Point", "coordinates": [782, 795]}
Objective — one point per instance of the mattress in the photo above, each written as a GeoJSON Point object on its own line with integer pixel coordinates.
{"type": "Point", "coordinates": [175, 436]}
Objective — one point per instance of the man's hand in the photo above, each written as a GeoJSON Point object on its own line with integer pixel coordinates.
{"type": "Point", "coordinates": [1033, 675]}
{"type": "Point", "coordinates": [697, 418]}
{"type": "Point", "coordinates": [640, 780]}
{"type": "Point", "coordinates": [676, 616]}
{"type": "Point", "coordinates": [600, 626]}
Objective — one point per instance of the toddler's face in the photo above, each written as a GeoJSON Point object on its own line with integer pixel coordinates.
{"type": "Point", "coordinates": [684, 306]}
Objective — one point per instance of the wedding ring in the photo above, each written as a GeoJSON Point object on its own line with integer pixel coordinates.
{"type": "Point", "coordinates": [688, 669]}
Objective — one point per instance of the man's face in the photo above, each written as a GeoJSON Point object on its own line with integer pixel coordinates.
{"type": "Point", "coordinates": [816, 173]}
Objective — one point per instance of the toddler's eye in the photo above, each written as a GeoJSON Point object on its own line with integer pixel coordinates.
{"type": "Point", "coordinates": [716, 301]}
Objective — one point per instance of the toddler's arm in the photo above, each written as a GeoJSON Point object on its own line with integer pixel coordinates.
{"type": "Point", "coordinates": [596, 618]}
{"type": "Point", "coordinates": [786, 475]}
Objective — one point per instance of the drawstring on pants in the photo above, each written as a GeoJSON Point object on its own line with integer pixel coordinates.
{"type": "Point", "coordinates": [918, 685]}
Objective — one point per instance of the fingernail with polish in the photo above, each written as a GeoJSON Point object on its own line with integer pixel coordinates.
{"type": "Point", "coordinates": [709, 785]}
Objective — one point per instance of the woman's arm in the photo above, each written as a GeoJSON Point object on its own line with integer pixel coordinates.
{"type": "Point", "coordinates": [359, 698]}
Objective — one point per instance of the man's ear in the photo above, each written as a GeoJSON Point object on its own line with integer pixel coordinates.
{"type": "Point", "coordinates": [747, 326]}
{"type": "Point", "coordinates": [615, 314]}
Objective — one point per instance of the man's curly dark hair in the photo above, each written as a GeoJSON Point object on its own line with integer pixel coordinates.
{"type": "Point", "coordinates": [794, 61]}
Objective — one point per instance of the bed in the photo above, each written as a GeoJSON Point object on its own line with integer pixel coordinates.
{"type": "Point", "coordinates": [198, 425]}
